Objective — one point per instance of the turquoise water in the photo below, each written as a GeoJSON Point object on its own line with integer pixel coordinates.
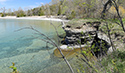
{"type": "Point", "coordinates": [24, 47]}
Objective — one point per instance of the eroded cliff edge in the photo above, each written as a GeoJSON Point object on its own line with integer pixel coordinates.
{"type": "Point", "coordinates": [83, 35]}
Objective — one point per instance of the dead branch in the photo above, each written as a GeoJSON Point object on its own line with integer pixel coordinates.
{"type": "Point", "coordinates": [108, 30]}
{"type": "Point", "coordinates": [52, 42]}
{"type": "Point", "coordinates": [56, 32]}
{"type": "Point", "coordinates": [105, 8]}
{"type": "Point", "coordinates": [120, 19]}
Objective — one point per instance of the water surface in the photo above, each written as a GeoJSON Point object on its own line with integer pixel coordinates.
{"type": "Point", "coordinates": [25, 47]}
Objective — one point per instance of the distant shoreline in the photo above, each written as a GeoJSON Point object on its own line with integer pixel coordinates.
{"type": "Point", "coordinates": [34, 18]}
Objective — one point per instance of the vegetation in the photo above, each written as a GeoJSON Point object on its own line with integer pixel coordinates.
{"type": "Point", "coordinates": [2, 15]}
{"type": "Point", "coordinates": [14, 68]}
{"type": "Point", "coordinates": [111, 12]}
{"type": "Point", "coordinates": [115, 32]}
{"type": "Point", "coordinates": [114, 63]}
{"type": "Point", "coordinates": [71, 9]}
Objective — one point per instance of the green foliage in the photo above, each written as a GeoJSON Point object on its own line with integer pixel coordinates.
{"type": "Point", "coordinates": [115, 62]}
{"type": "Point", "coordinates": [41, 12]}
{"type": "Point", "coordinates": [78, 71]}
{"type": "Point", "coordinates": [79, 42]}
{"type": "Point", "coordinates": [64, 9]}
{"type": "Point", "coordinates": [2, 15]}
{"type": "Point", "coordinates": [84, 52]}
{"type": "Point", "coordinates": [69, 47]}
{"type": "Point", "coordinates": [59, 11]}
{"type": "Point", "coordinates": [14, 68]}
{"type": "Point", "coordinates": [73, 14]}
{"type": "Point", "coordinates": [12, 14]}
{"type": "Point", "coordinates": [70, 8]}
{"type": "Point", "coordinates": [17, 15]}
{"type": "Point", "coordinates": [82, 33]}
{"type": "Point", "coordinates": [21, 14]}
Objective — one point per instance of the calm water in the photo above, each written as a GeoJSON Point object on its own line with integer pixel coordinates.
{"type": "Point", "coordinates": [24, 47]}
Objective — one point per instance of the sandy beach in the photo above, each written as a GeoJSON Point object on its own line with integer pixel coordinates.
{"type": "Point", "coordinates": [52, 18]}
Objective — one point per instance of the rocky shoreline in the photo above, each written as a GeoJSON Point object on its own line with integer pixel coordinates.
{"type": "Point", "coordinates": [86, 34]}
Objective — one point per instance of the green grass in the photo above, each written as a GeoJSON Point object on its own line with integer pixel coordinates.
{"type": "Point", "coordinates": [115, 62]}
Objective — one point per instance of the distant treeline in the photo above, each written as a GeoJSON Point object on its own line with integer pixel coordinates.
{"type": "Point", "coordinates": [70, 9]}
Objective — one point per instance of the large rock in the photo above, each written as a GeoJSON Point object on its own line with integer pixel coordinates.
{"type": "Point", "coordinates": [80, 33]}
{"type": "Point", "coordinates": [85, 34]}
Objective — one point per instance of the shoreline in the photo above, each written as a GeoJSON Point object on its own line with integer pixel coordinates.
{"type": "Point", "coordinates": [35, 18]}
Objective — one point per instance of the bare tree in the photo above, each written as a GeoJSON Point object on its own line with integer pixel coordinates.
{"type": "Point", "coordinates": [47, 10]}
{"type": "Point", "coordinates": [112, 2]}
{"type": "Point", "coordinates": [4, 10]}
{"type": "Point", "coordinates": [109, 2]}
{"type": "Point", "coordinates": [9, 11]}
{"type": "Point", "coordinates": [50, 41]}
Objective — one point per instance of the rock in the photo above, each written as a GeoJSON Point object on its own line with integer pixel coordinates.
{"type": "Point", "coordinates": [103, 37]}
{"type": "Point", "coordinates": [86, 34]}
{"type": "Point", "coordinates": [68, 47]}
{"type": "Point", "coordinates": [110, 50]}
{"type": "Point", "coordinates": [80, 32]}
{"type": "Point", "coordinates": [63, 47]}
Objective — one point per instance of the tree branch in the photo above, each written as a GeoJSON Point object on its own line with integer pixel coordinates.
{"type": "Point", "coordinates": [52, 42]}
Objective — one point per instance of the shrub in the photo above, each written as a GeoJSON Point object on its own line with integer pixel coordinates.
{"type": "Point", "coordinates": [2, 15]}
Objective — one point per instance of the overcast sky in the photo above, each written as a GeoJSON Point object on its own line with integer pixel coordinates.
{"type": "Point", "coordinates": [24, 4]}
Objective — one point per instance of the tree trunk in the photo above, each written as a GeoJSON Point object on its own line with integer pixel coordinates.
{"type": "Point", "coordinates": [105, 8]}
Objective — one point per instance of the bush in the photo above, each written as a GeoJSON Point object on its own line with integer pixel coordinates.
{"type": "Point", "coordinates": [73, 14]}
{"type": "Point", "coordinates": [17, 15]}
{"type": "Point", "coordinates": [20, 15]}
{"type": "Point", "coordinates": [115, 62]}
{"type": "Point", "coordinates": [2, 15]}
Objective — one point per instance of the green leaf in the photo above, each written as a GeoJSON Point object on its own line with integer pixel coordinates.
{"type": "Point", "coordinates": [84, 52]}
{"type": "Point", "coordinates": [113, 61]}
{"type": "Point", "coordinates": [11, 67]}
{"type": "Point", "coordinates": [78, 41]}
{"type": "Point", "coordinates": [91, 54]}
{"type": "Point", "coordinates": [98, 49]}
{"type": "Point", "coordinates": [82, 33]}
{"type": "Point", "coordinates": [14, 68]}
{"type": "Point", "coordinates": [69, 47]}
{"type": "Point", "coordinates": [84, 3]}
{"type": "Point", "coordinates": [93, 45]}
{"type": "Point", "coordinates": [78, 70]}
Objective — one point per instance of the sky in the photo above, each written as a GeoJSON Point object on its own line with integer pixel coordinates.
{"type": "Point", "coordinates": [24, 4]}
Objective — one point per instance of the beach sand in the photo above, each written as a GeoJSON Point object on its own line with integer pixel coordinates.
{"type": "Point", "coordinates": [52, 18]}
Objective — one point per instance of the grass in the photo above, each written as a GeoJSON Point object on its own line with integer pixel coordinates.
{"type": "Point", "coordinates": [115, 62]}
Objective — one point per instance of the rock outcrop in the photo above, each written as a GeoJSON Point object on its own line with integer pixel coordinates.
{"type": "Point", "coordinates": [86, 34]}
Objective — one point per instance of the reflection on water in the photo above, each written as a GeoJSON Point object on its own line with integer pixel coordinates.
{"type": "Point", "coordinates": [29, 54]}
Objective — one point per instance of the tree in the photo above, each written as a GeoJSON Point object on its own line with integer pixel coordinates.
{"type": "Point", "coordinates": [35, 11]}
{"type": "Point", "coordinates": [47, 10]}
{"type": "Point", "coordinates": [41, 11]}
{"type": "Point", "coordinates": [29, 13]}
{"type": "Point", "coordinates": [4, 10]}
{"type": "Point", "coordinates": [112, 2]}
{"type": "Point", "coordinates": [20, 12]}
{"type": "Point", "coordinates": [109, 2]}
{"type": "Point", "coordinates": [9, 11]}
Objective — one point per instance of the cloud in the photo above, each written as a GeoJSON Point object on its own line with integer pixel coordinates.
{"type": "Point", "coordinates": [35, 5]}
{"type": "Point", "coordinates": [39, 4]}
{"type": "Point", "coordinates": [42, 3]}
{"type": "Point", "coordinates": [3, 0]}
{"type": "Point", "coordinates": [32, 6]}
